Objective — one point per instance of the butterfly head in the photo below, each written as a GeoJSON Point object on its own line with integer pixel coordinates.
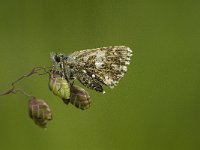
{"type": "Point", "coordinates": [57, 57]}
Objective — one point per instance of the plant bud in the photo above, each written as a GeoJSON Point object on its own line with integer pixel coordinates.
{"type": "Point", "coordinates": [59, 86]}
{"type": "Point", "coordinates": [79, 97]}
{"type": "Point", "coordinates": [39, 111]}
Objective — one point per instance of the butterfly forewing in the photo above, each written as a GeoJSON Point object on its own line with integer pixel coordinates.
{"type": "Point", "coordinates": [100, 66]}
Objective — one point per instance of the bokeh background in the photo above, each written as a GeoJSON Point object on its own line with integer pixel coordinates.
{"type": "Point", "coordinates": [156, 106]}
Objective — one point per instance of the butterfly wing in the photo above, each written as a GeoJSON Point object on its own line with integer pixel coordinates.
{"type": "Point", "coordinates": [100, 66]}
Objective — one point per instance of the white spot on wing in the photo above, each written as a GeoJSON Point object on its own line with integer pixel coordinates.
{"type": "Point", "coordinates": [84, 71]}
{"type": "Point", "coordinates": [129, 50]}
{"type": "Point", "coordinates": [124, 68]}
{"type": "Point", "coordinates": [99, 65]}
{"type": "Point", "coordinates": [100, 55]}
{"type": "Point", "coordinates": [108, 81]}
{"type": "Point", "coordinates": [115, 67]}
{"type": "Point", "coordinates": [100, 58]}
{"type": "Point", "coordinates": [127, 63]}
{"type": "Point", "coordinates": [85, 58]}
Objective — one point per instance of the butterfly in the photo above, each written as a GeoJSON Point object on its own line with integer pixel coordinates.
{"type": "Point", "coordinates": [94, 68]}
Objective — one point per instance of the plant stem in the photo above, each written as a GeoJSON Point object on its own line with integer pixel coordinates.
{"type": "Point", "coordinates": [36, 70]}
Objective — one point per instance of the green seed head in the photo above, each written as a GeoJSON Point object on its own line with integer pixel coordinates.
{"type": "Point", "coordinates": [59, 86]}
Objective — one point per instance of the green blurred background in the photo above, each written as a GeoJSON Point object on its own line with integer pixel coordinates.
{"type": "Point", "coordinates": [156, 106]}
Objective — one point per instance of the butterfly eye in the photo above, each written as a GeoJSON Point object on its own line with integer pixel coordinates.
{"type": "Point", "coordinates": [57, 58]}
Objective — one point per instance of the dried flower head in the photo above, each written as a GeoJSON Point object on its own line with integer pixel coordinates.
{"type": "Point", "coordinates": [39, 111]}
{"type": "Point", "coordinates": [79, 97]}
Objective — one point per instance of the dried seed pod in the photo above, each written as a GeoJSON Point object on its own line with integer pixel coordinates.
{"type": "Point", "coordinates": [39, 111]}
{"type": "Point", "coordinates": [59, 86]}
{"type": "Point", "coordinates": [79, 97]}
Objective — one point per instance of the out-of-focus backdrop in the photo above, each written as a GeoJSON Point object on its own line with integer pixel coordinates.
{"type": "Point", "coordinates": [156, 106]}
